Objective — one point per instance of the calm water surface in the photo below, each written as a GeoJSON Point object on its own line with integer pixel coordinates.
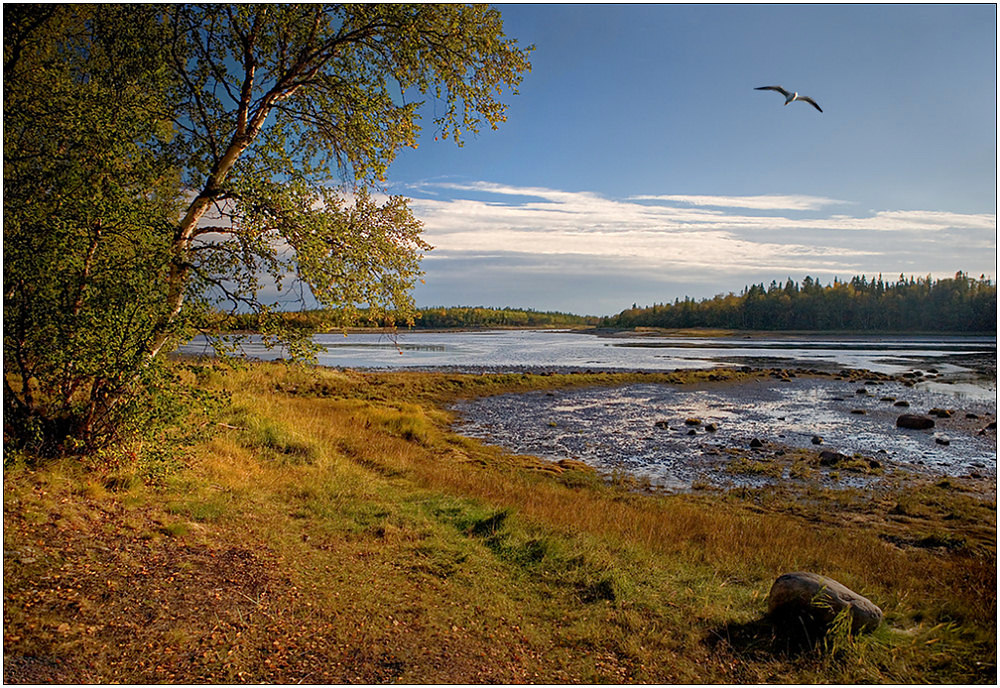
{"type": "Point", "coordinates": [520, 349]}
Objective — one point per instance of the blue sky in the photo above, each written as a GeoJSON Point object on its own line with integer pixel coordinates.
{"type": "Point", "coordinates": [638, 163]}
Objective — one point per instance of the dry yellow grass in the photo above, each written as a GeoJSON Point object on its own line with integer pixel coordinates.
{"type": "Point", "coordinates": [372, 544]}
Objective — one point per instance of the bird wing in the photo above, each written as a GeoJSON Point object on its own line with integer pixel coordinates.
{"type": "Point", "coordinates": [779, 89]}
{"type": "Point", "coordinates": [811, 102]}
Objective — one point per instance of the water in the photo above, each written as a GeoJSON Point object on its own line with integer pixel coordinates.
{"type": "Point", "coordinates": [615, 429]}
{"type": "Point", "coordinates": [622, 429]}
{"type": "Point", "coordinates": [954, 357]}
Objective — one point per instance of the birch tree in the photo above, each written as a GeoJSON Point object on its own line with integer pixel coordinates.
{"type": "Point", "coordinates": [165, 162]}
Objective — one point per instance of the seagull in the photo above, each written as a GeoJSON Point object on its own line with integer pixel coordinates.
{"type": "Point", "coordinates": [789, 97]}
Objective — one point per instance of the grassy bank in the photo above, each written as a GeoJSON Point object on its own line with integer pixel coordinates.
{"type": "Point", "coordinates": [333, 529]}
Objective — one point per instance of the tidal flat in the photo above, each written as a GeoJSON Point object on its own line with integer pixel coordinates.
{"type": "Point", "coordinates": [755, 432]}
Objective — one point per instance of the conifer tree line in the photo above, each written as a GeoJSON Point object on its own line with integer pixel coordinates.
{"type": "Point", "coordinates": [438, 317]}
{"type": "Point", "coordinates": [922, 304]}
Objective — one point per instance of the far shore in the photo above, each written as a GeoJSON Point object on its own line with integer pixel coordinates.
{"type": "Point", "coordinates": [694, 332]}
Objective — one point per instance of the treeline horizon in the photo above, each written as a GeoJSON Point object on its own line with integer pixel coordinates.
{"type": "Point", "coordinates": [921, 304]}
{"type": "Point", "coordinates": [909, 304]}
{"type": "Point", "coordinates": [436, 317]}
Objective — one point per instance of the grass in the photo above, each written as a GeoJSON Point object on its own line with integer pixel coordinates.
{"type": "Point", "coordinates": [334, 529]}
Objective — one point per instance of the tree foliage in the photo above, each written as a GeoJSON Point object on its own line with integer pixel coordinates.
{"type": "Point", "coordinates": [425, 318]}
{"type": "Point", "coordinates": [959, 304]}
{"type": "Point", "coordinates": [165, 162]}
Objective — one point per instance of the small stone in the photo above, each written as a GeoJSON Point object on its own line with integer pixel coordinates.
{"type": "Point", "coordinates": [692, 421]}
{"type": "Point", "coordinates": [817, 439]}
{"type": "Point", "coordinates": [711, 427]}
{"type": "Point", "coordinates": [913, 422]}
{"type": "Point", "coordinates": [944, 441]}
{"type": "Point", "coordinates": [756, 443]}
{"type": "Point", "coordinates": [662, 424]}
{"type": "Point", "coordinates": [692, 431]}
{"type": "Point", "coordinates": [830, 458]}
{"type": "Point", "coordinates": [971, 416]}
{"type": "Point", "coordinates": [888, 399]}
{"type": "Point", "coordinates": [862, 390]}
{"type": "Point", "coordinates": [858, 412]}
{"type": "Point", "coordinates": [874, 463]}
{"type": "Point", "coordinates": [940, 413]}
{"type": "Point", "coordinates": [902, 403]}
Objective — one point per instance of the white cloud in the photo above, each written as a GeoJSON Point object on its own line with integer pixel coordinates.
{"type": "Point", "coordinates": [537, 234]}
{"type": "Point", "coordinates": [767, 202]}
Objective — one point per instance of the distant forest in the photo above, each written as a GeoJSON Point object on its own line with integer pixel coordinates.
{"type": "Point", "coordinates": [498, 317]}
{"type": "Point", "coordinates": [959, 304]}
{"type": "Point", "coordinates": [427, 318]}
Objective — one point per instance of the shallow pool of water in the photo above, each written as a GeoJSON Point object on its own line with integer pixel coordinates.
{"type": "Point", "coordinates": [640, 429]}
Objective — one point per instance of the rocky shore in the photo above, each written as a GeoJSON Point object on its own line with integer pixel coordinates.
{"type": "Point", "coordinates": [839, 428]}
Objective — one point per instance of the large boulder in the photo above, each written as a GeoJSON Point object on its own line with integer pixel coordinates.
{"type": "Point", "coordinates": [914, 422]}
{"type": "Point", "coordinates": [808, 600]}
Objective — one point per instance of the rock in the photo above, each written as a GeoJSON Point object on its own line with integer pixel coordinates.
{"type": "Point", "coordinates": [971, 416]}
{"type": "Point", "coordinates": [756, 443]}
{"type": "Point", "coordinates": [711, 427]}
{"type": "Point", "coordinates": [888, 399]}
{"type": "Point", "coordinates": [902, 403]}
{"type": "Point", "coordinates": [858, 412]}
{"type": "Point", "coordinates": [914, 422]}
{"type": "Point", "coordinates": [575, 465]}
{"type": "Point", "coordinates": [692, 421]}
{"type": "Point", "coordinates": [812, 600]}
{"type": "Point", "coordinates": [862, 391]}
{"type": "Point", "coordinates": [874, 463]}
{"type": "Point", "coordinates": [943, 441]}
{"type": "Point", "coordinates": [940, 413]}
{"type": "Point", "coordinates": [817, 439]}
{"type": "Point", "coordinates": [830, 458]}
{"type": "Point", "coordinates": [991, 426]}
{"type": "Point", "coordinates": [662, 424]}
{"type": "Point", "coordinates": [692, 431]}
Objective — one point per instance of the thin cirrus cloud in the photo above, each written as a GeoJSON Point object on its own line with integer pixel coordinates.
{"type": "Point", "coordinates": [713, 233]}
{"type": "Point", "coordinates": [765, 202]}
